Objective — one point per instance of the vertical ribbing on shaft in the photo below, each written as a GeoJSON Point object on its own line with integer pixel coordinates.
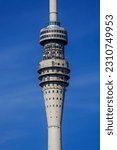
{"type": "Point", "coordinates": [53, 10]}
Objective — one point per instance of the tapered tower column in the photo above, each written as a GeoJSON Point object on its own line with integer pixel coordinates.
{"type": "Point", "coordinates": [54, 75]}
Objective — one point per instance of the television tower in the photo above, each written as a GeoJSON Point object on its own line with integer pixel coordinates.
{"type": "Point", "coordinates": [53, 74]}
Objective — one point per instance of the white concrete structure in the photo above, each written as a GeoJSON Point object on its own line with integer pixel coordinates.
{"type": "Point", "coordinates": [54, 75]}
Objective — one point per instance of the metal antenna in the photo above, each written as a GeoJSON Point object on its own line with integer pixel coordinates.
{"type": "Point", "coordinates": [53, 10]}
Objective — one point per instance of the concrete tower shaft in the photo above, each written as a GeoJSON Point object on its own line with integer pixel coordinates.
{"type": "Point", "coordinates": [54, 75]}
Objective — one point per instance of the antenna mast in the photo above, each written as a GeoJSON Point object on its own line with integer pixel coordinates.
{"type": "Point", "coordinates": [53, 10]}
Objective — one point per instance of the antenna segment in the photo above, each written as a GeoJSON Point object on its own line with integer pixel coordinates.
{"type": "Point", "coordinates": [53, 10]}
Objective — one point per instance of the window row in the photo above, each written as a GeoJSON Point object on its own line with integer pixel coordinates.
{"type": "Point", "coordinates": [54, 84]}
{"type": "Point", "coordinates": [54, 70]}
{"type": "Point", "coordinates": [53, 98]}
{"type": "Point", "coordinates": [54, 46]}
{"type": "Point", "coordinates": [53, 106]}
{"type": "Point", "coordinates": [59, 78]}
{"type": "Point", "coordinates": [51, 116]}
{"type": "Point", "coordinates": [53, 52]}
{"type": "Point", "coordinates": [55, 63]}
{"type": "Point", "coordinates": [53, 35]}
{"type": "Point", "coordinates": [49, 31]}
{"type": "Point", "coordinates": [54, 91]}
{"type": "Point", "coordinates": [53, 56]}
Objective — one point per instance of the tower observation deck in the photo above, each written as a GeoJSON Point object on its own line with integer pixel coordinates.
{"type": "Point", "coordinates": [54, 75]}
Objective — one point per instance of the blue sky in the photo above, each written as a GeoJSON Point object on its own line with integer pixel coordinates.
{"type": "Point", "coordinates": [22, 112]}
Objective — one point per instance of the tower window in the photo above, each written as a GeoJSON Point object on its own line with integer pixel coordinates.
{"type": "Point", "coordinates": [56, 105]}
